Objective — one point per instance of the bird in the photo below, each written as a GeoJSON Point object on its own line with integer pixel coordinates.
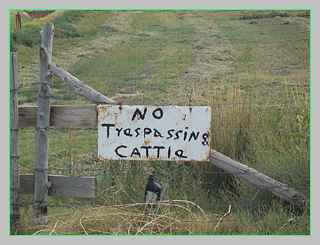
{"type": "Point", "coordinates": [153, 191]}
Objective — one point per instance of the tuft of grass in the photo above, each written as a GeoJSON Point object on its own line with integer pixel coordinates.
{"type": "Point", "coordinates": [263, 14]}
{"type": "Point", "coordinates": [64, 27]}
{"type": "Point", "coordinates": [28, 37]}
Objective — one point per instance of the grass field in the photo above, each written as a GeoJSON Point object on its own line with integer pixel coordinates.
{"type": "Point", "coordinates": [251, 67]}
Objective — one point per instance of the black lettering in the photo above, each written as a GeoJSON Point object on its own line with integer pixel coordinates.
{"type": "Point", "coordinates": [138, 114]}
{"type": "Point", "coordinates": [118, 130]}
{"type": "Point", "coordinates": [170, 134]}
{"type": "Point", "coordinates": [127, 132]}
{"type": "Point", "coordinates": [158, 150]}
{"type": "Point", "coordinates": [185, 134]}
{"type": "Point", "coordinates": [147, 131]}
{"type": "Point", "coordinates": [179, 153]}
{"type": "Point", "coordinates": [121, 146]}
{"type": "Point", "coordinates": [136, 152]}
{"type": "Point", "coordinates": [157, 116]}
{"type": "Point", "coordinates": [205, 138]}
{"type": "Point", "coordinates": [177, 134]}
{"type": "Point", "coordinates": [195, 136]}
{"type": "Point", "coordinates": [147, 149]}
{"type": "Point", "coordinates": [157, 133]}
{"type": "Point", "coordinates": [108, 125]}
{"type": "Point", "coordinates": [137, 133]}
{"type": "Point", "coordinates": [169, 152]}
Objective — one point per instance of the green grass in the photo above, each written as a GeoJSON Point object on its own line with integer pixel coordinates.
{"type": "Point", "coordinates": [156, 57]}
{"type": "Point", "coordinates": [182, 57]}
{"type": "Point", "coordinates": [269, 50]}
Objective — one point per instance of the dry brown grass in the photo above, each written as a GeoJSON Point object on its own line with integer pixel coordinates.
{"type": "Point", "coordinates": [175, 217]}
{"type": "Point", "coordinates": [232, 108]}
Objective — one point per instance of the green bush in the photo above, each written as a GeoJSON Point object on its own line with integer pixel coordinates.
{"type": "Point", "coordinates": [28, 36]}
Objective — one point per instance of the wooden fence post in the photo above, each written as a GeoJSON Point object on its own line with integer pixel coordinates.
{"type": "Point", "coordinates": [18, 21]}
{"type": "Point", "coordinates": [14, 150]}
{"type": "Point", "coordinates": [41, 184]}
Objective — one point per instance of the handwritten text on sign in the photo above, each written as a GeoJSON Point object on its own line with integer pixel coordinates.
{"type": "Point", "coordinates": [170, 133]}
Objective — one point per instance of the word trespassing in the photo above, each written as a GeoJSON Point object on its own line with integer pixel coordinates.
{"type": "Point", "coordinates": [170, 134]}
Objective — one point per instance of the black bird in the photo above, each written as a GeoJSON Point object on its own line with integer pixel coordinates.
{"type": "Point", "coordinates": [153, 191]}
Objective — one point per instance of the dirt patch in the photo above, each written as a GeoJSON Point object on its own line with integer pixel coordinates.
{"type": "Point", "coordinates": [39, 13]}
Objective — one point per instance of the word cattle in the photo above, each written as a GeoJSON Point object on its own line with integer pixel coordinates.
{"type": "Point", "coordinates": [169, 133]}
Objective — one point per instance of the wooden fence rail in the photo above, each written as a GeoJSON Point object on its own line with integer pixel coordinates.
{"type": "Point", "coordinates": [61, 116]}
{"type": "Point", "coordinates": [63, 186]}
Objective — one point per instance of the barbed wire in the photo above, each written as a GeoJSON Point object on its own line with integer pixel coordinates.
{"type": "Point", "coordinates": [222, 129]}
{"type": "Point", "coordinates": [180, 185]}
{"type": "Point", "coordinates": [257, 204]}
{"type": "Point", "coordinates": [217, 128]}
{"type": "Point", "coordinates": [80, 170]}
{"type": "Point", "coordinates": [260, 102]}
{"type": "Point", "coordinates": [146, 172]}
{"type": "Point", "coordinates": [264, 129]}
{"type": "Point", "coordinates": [212, 104]}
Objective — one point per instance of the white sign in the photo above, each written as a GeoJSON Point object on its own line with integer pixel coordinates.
{"type": "Point", "coordinates": [170, 133]}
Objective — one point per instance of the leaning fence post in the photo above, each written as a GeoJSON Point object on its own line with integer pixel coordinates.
{"type": "Point", "coordinates": [14, 150]}
{"type": "Point", "coordinates": [41, 184]}
{"type": "Point", "coordinates": [258, 179]}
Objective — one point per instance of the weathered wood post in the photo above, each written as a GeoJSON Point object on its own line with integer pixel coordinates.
{"type": "Point", "coordinates": [14, 150]}
{"type": "Point", "coordinates": [41, 184]}
{"type": "Point", "coordinates": [18, 21]}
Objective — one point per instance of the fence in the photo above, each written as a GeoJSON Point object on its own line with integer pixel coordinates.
{"type": "Point", "coordinates": [72, 118]}
{"type": "Point", "coordinates": [18, 21]}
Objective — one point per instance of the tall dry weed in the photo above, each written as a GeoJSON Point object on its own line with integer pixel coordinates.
{"type": "Point", "coordinates": [232, 114]}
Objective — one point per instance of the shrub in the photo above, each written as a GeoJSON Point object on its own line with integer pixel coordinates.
{"type": "Point", "coordinates": [28, 36]}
